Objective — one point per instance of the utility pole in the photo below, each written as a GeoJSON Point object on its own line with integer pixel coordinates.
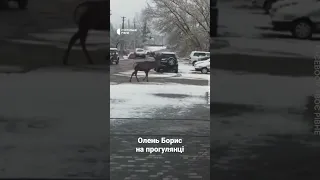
{"type": "Point", "coordinates": [123, 21]}
{"type": "Point", "coordinates": [134, 40]}
{"type": "Point", "coordinates": [122, 43]}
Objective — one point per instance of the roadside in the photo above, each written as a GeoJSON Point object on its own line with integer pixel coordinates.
{"type": "Point", "coordinates": [252, 48]}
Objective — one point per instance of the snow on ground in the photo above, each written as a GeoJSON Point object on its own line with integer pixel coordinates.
{"type": "Point", "coordinates": [155, 48]}
{"type": "Point", "coordinates": [229, 20]}
{"type": "Point", "coordinates": [281, 99]}
{"type": "Point", "coordinates": [245, 128]}
{"type": "Point", "coordinates": [143, 100]}
{"type": "Point", "coordinates": [64, 97]}
{"type": "Point", "coordinates": [265, 90]}
{"type": "Point", "coordinates": [186, 71]}
{"type": "Point", "coordinates": [58, 105]}
{"type": "Point", "coordinates": [269, 47]}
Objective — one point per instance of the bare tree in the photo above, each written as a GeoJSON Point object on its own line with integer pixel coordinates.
{"type": "Point", "coordinates": [186, 22]}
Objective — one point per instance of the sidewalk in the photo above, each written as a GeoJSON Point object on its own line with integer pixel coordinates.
{"type": "Point", "coordinates": [193, 163]}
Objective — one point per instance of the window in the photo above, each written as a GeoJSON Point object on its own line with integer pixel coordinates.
{"type": "Point", "coordinates": [168, 56]}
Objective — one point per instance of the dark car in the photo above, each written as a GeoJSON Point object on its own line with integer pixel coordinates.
{"type": "Point", "coordinates": [168, 62]}
{"type": "Point", "coordinates": [114, 56]}
{"type": "Point", "coordinates": [4, 4]}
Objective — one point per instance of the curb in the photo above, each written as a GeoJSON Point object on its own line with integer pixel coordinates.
{"type": "Point", "coordinates": [12, 69]}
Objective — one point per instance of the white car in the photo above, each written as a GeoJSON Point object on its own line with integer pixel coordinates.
{"type": "Point", "coordinates": [285, 3]}
{"type": "Point", "coordinates": [302, 19]}
{"type": "Point", "coordinates": [199, 62]}
{"type": "Point", "coordinates": [140, 52]}
{"type": "Point", "coordinates": [203, 66]}
{"type": "Point", "coordinates": [196, 55]}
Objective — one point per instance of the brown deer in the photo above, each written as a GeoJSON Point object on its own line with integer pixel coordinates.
{"type": "Point", "coordinates": [145, 66]}
{"type": "Point", "coordinates": [89, 15]}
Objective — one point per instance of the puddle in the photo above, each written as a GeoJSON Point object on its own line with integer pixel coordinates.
{"type": "Point", "coordinates": [172, 95]}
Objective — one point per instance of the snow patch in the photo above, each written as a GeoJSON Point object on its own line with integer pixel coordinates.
{"type": "Point", "coordinates": [139, 100]}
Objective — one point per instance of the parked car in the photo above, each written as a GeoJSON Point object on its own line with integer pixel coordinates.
{"type": "Point", "coordinates": [22, 4]}
{"type": "Point", "coordinates": [114, 56]}
{"type": "Point", "coordinates": [204, 61]}
{"type": "Point", "coordinates": [168, 62]}
{"type": "Point", "coordinates": [301, 19]}
{"type": "Point", "coordinates": [285, 3]}
{"type": "Point", "coordinates": [264, 4]}
{"type": "Point", "coordinates": [203, 67]}
{"type": "Point", "coordinates": [197, 55]}
{"type": "Point", "coordinates": [140, 53]}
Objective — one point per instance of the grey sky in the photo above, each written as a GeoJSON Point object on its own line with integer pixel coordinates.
{"type": "Point", "coordinates": [127, 8]}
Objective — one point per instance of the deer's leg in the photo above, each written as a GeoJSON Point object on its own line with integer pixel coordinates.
{"type": "Point", "coordinates": [131, 76]}
{"type": "Point", "coordinates": [83, 38]}
{"type": "Point", "coordinates": [137, 76]}
{"type": "Point", "coordinates": [72, 41]}
{"type": "Point", "coordinates": [147, 76]}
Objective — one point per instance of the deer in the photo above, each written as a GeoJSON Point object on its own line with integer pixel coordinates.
{"type": "Point", "coordinates": [145, 66]}
{"type": "Point", "coordinates": [88, 15]}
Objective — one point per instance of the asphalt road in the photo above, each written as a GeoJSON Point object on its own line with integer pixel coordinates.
{"type": "Point", "coordinates": [127, 65]}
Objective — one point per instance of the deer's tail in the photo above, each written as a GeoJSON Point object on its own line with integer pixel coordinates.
{"type": "Point", "coordinates": [79, 11]}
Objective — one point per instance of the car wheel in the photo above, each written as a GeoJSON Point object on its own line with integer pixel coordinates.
{"type": "Point", "coordinates": [204, 70]}
{"type": "Point", "coordinates": [302, 29]}
{"type": "Point", "coordinates": [22, 4]}
{"type": "Point", "coordinates": [117, 61]}
{"type": "Point", "coordinates": [267, 6]}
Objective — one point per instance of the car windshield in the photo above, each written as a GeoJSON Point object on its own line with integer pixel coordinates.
{"type": "Point", "coordinates": [139, 50]}
{"type": "Point", "coordinates": [168, 55]}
